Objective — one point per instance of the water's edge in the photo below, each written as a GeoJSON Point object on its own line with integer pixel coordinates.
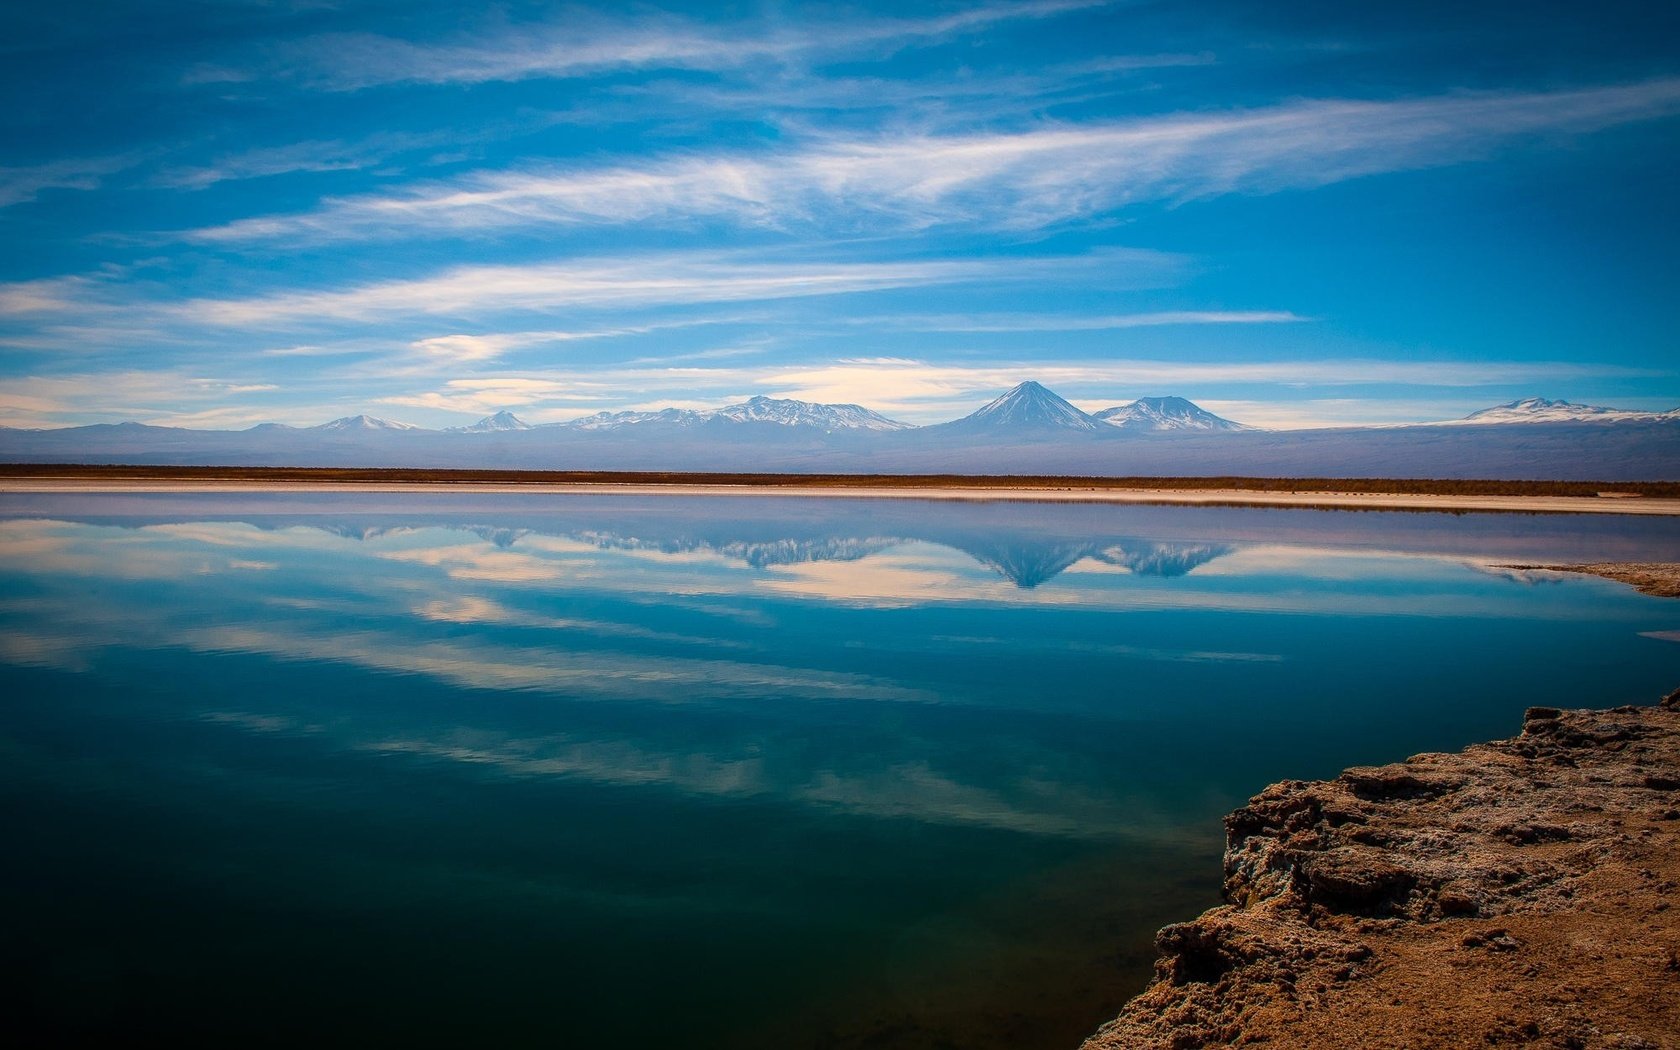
{"type": "Point", "coordinates": [1514, 891]}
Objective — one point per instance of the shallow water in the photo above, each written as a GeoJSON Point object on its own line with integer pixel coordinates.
{"type": "Point", "coordinates": [448, 769]}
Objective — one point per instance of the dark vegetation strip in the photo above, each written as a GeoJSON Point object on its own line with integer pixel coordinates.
{"type": "Point", "coordinates": [408, 475]}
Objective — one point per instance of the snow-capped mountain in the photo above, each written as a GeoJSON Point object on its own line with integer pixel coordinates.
{"type": "Point", "coordinates": [1540, 410]}
{"type": "Point", "coordinates": [1028, 406]}
{"type": "Point", "coordinates": [675, 417]}
{"type": "Point", "coordinates": [362, 422]}
{"type": "Point", "coordinates": [1166, 413]}
{"type": "Point", "coordinates": [500, 422]}
{"type": "Point", "coordinates": [779, 411]}
{"type": "Point", "coordinates": [1154, 558]}
{"type": "Point", "coordinates": [790, 413]}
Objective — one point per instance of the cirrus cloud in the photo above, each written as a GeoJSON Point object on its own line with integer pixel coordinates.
{"type": "Point", "coordinates": [1014, 180]}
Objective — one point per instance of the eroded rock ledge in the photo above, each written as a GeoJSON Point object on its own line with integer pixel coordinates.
{"type": "Point", "coordinates": [1524, 892]}
{"type": "Point", "coordinates": [1661, 578]}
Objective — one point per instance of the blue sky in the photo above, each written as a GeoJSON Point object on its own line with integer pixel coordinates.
{"type": "Point", "coordinates": [1297, 213]}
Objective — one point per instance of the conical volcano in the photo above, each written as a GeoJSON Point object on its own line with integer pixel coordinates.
{"type": "Point", "coordinates": [1029, 408]}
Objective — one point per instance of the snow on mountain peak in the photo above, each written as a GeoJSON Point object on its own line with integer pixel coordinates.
{"type": "Point", "coordinates": [1033, 407]}
{"type": "Point", "coordinates": [682, 417]}
{"type": "Point", "coordinates": [792, 413]}
{"type": "Point", "coordinates": [364, 422]}
{"type": "Point", "coordinates": [501, 421]}
{"type": "Point", "coordinates": [1166, 413]}
{"type": "Point", "coordinates": [778, 411]}
{"type": "Point", "coordinates": [1541, 410]}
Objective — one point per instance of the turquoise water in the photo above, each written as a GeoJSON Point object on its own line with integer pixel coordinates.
{"type": "Point", "coordinates": [442, 769]}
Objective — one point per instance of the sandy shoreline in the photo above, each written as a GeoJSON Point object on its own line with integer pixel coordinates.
{"type": "Point", "coordinates": [989, 493]}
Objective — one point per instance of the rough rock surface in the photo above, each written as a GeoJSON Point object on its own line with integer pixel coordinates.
{"type": "Point", "coordinates": [1520, 893]}
{"type": "Point", "coordinates": [1661, 578]}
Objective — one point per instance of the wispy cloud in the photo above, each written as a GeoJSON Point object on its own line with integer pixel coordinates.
{"type": "Point", "coordinates": [795, 98]}
{"type": "Point", "coordinates": [619, 281]}
{"type": "Point", "coordinates": [1323, 412]}
{"type": "Point", "coordinates": [464, 347]}
{"type": "Point", "coordinates": [1018, 180]}
{"type": "Point", "coordinates": [167, 396]}
{"type": "Point", "coordinates": [483, 396]}
{"type": "Point", "coordinates": [47, 295]}
{"type": "Point", "coordinates": [22, 184]}
{"type": "Point", "coordinates": [587, 45]}
{"type": "Point", "coordinates": [1076, 323]}
{"type": "Point", "coordinates": [315, 155]}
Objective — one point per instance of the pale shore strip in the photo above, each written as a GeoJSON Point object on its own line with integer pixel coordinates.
{"type": "Point", "coordinates": [988, 493]}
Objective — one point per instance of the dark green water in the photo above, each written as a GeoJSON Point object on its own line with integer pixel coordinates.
{"type": "Point", "coordinates": [522, 770]}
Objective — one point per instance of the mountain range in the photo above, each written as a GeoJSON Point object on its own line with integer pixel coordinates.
{"type": "Point", "coordinates": [776, 411]}
{"type": "Point", "coordinates": [1028, 429]}
{"type": "Point", "coordinates": [1540, 410]}
{"type": "Point", "coordinates": [1027, 407]}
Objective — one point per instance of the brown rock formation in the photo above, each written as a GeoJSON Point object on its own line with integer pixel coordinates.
{"type": "Point", "coordinates": [1520, 893]}
{"type": "Point", "coordinates": [1661, 578]}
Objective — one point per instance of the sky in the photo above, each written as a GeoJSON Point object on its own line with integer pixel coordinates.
{"type": "Point", "coordinates": [216, 213]}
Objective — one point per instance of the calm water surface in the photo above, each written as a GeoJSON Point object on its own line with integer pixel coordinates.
{"type": "Point", "coordinates": [438, 769]}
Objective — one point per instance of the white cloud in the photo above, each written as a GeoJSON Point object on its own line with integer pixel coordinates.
{"type": "Point", "coordinates": [582, 45]}
{"type": "Point", "coordinates": [484, 396]}
{"type": "Point", "coordinates": [470, 609]}
{"type": "Point", "coordinates": [471, 347]}
{"type": "Point", "coordinates": [793, 97]}
{"type": "Point", "coordinates": [1076, 323]}
{"type": "Point", "coordinates": [314, 155]}
{"type": "Point", "coordinates": [22, 184]}
{"type": "Point", "coordinates": [1323, 412]}
{"type": "Point", "coordinates": [462, 347]}
{"type": "Point", "coordinates": [47, 295]}
{"type": "Point", "coordinates": [229, 417]}
{"type": "Point", "coordinates": [715, 354]}
{"type": "Point", "coordinates": [619, 282]}
{"type": "Point", "coordinates": [469, 561]}
{"type": "Point", "coordinates": [166, 398]}
{"type": "Point", "coordinates": [1017, 180]}
{"type": "Point", "coordinates": [337, 349]}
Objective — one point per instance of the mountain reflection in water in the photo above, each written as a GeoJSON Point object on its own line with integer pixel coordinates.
{"type": "Point", "coordinates": [449, 769]}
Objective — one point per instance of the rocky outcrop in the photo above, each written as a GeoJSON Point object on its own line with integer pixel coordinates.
{"type": "Point", "coordinates": [1524, 892]}
{"type": "Point", "coordinates": [1661, 578]}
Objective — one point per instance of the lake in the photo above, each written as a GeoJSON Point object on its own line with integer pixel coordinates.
{"type": "Point", "coordinates": [443, 768]}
